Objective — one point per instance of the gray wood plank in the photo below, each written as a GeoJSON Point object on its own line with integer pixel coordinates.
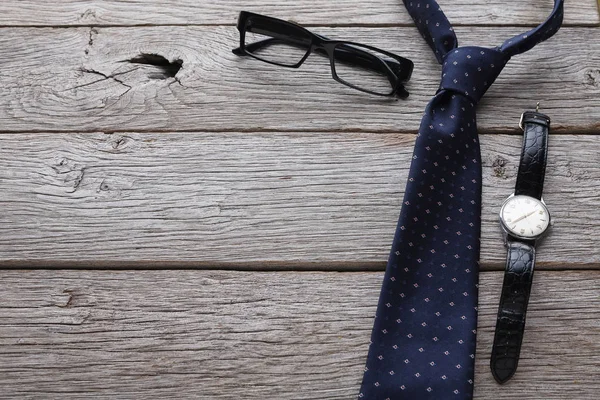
{"type": "Point", "coordinates": [79, 79]}
{"type": "Point", "coordinates": [265, 200]}
{"type": "Point", "coordinates": [349, 12]}
{"type": "Point", "coordinates": [236, 335]}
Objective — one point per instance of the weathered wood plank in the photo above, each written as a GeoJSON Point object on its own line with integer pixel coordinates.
{"type": "Point", "coordinates": [232, 335]}
{"type": "Point", "coordinates": [79, 79]}
{"type": "Point", "coordinates": [347, 12]}
{"type": "Point", "coordinates": [260, 199]}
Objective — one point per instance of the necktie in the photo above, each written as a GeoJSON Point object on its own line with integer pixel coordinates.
{"type": "Point", "coordinates": [423, 339]}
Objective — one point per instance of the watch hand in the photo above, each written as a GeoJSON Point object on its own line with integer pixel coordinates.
{"type": "Point", "coordinates": [531, 213]}
{"type": "Point", "coordinates": [524, 216]}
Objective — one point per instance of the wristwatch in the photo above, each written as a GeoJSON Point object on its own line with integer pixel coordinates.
{"type": "Point", "coordinates": [524, 219]}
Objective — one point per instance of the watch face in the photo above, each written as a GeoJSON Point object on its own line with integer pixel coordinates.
{"type": "Point", "coordinates": [524, 217]}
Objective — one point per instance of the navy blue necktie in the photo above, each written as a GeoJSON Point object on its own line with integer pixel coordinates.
{"type": "Point", "coordinates": [423, 340]}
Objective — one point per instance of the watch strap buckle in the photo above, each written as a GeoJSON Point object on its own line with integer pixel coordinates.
{"type": "Point", "coordinates": [537, 110]}
{"type": "Point", "coordinates": [521, 122]}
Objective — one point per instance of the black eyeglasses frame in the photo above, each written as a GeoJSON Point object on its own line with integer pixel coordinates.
{"type": "Point", "coordinates": [398, 71]}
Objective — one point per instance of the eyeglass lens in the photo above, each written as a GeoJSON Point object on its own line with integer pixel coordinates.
{"type": "Point", "coordinates": [276, 42]}
{"type": "Point", "coordinates": [364, 68]}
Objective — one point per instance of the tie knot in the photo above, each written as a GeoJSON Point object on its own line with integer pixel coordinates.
{"type": "Point", "coordinates": [470, 71]}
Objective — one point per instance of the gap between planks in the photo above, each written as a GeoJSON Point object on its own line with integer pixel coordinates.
{"type": "Point", "coordinates": [272, 266]}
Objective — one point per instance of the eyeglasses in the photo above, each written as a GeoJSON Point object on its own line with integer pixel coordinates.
{"type": "Point", "coordinates": [362, 67]}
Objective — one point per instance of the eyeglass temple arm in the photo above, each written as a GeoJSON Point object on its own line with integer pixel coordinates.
{"type": "Point", "coordinates": [362, 58]}
{"type": "Point", "coordinates": [353, 55]}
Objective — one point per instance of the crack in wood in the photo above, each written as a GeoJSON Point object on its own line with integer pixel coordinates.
{"type": "Point", "coordinates": [78, 180]}
{"type": "Point", "coordinates": [93, 32]}
{"type": "Point", "coordinates": [105, 77]}
{"type": "Point", "coordinates": [69, 302]}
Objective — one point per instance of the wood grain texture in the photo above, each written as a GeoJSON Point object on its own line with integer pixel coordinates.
{"type": "Point", "coordinates": [236, 335]}
{"type": "Point", "coordinates": [346, 12]}
{"type": "Point", "coordinates": [80, 79]}
{"type": "Point", "coordinates": [268, 200]}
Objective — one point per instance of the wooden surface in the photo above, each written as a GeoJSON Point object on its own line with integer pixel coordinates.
{"type": "Point", "coordinates": [259, 335]}
{"type": "Point", "coordinates": [281, 200]}
{"type": "Point", "coordinates": [306, 12]}
{"type": "Point", "coordinates": [92, 87]}
{"type": "Point", "coordinates": [241, 214]}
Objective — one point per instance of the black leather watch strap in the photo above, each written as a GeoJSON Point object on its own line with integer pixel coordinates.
{"type": "Point", "coordinates": [530, 178]}
{"type": "Point", "coordinates": [510, 324]}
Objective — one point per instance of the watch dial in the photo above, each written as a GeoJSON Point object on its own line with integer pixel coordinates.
{"type": "Point", "coordinates": [525, 216]}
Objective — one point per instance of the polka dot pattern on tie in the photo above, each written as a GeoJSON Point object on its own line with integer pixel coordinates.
{"type": "Point", "coordinates": [424, 334]}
